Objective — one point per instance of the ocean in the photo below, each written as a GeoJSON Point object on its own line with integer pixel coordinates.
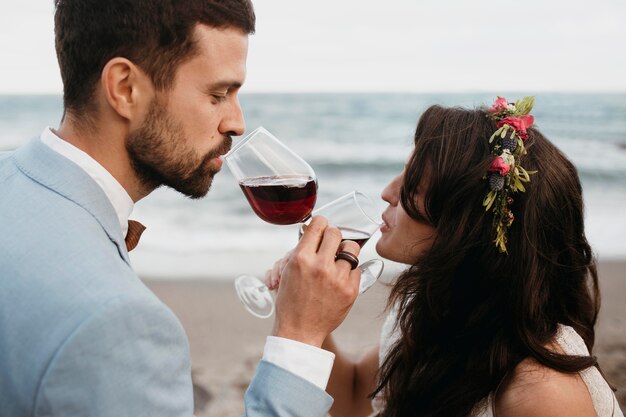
{"type": "Point", "coordinates": [353, 142]}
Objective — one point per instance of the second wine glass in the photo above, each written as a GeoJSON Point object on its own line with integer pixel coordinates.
{"type": "Point", "coordinates": [356, 216]}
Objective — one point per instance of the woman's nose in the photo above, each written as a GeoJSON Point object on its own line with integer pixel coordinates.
{"type": "Point", "coordinates": [391, 193]}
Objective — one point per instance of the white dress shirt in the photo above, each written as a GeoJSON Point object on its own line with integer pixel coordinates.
{"type": "Point", "coordinates": [117, 195]}
{"type": "Point", "coordinates": [306, 361]}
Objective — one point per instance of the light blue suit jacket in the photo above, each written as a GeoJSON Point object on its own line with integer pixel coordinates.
{"type": "Point", "coordinates": [80, 334]}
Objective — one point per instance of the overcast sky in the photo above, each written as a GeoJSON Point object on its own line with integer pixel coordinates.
{"type": "Point", "coordinates": [392, 45]}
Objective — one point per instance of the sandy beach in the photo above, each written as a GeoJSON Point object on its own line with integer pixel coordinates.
{"type": "Point", "coordinates": [226, 342]}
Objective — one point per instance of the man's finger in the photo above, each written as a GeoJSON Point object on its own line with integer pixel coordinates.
{"type": "Point", "coordinates": [355, 278]}
{"type": "Point", "coordinates": [349, 247]}
{"type": "Point", "coordinates": [330, 242]}
{"type": "Point", "coordinates": [313, 234]}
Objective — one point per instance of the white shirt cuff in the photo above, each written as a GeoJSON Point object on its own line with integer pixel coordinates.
{"type": "Point", "coordinates": [306, 361]}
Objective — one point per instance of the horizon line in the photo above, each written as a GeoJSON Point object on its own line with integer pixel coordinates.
{"type": "Point", "coordinates": [460, 91]}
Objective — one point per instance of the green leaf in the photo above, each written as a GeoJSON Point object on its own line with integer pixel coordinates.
{"type": "Point", "coordinates": [518, 185]}
{"type": "Point", "coordinates": [525, 105]}
{"type": "Point", "coordinates": [524, 174]}
{"type": "Point", "coordinates": [489, 199]}
{"type": "Point", "coordinates": [501, 239]}
{"type": "Point", "coordinates": [496, 133]}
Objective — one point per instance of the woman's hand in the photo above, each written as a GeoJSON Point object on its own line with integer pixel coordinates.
{"type": "Point", "coordinates": [272, 276]}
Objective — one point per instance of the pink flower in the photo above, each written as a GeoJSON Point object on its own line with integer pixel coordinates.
{"type": "Point", "coordinates": [499, 165]}
{"type": "Point", "coordinates": [520, 124]}
{"type": "Point", "coordinates": [499, 105]}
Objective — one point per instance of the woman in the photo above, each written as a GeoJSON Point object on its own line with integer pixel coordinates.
{"type": "Point", "coordinates": [495, 314]}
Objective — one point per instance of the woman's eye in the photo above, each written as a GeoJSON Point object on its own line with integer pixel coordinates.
{"type": "Point", "coordinates": [218, 98]}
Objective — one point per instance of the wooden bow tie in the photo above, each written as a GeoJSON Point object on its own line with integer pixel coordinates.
{"type": "Point", "coordinates": [135, 229]}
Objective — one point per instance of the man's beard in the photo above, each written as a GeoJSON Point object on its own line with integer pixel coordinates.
{"type": "Point", "coordinates": [160, 155]}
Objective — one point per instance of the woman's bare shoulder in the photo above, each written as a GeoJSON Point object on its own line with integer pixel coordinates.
{"type": "Point", "coordinates": [537, 390]}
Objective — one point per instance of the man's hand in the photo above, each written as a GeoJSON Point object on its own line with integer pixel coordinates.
{"type": "Point", "coordinates": [316, 291]}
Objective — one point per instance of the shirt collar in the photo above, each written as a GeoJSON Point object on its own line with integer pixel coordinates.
{"type": "Point", "coordinates": [117, 195]}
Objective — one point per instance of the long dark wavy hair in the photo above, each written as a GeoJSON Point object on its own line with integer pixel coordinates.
{"type": "Point", "coordinates": [468, 314]}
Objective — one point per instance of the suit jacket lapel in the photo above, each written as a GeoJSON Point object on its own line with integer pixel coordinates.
{"type": "Point", "coordinates": [61, 175]}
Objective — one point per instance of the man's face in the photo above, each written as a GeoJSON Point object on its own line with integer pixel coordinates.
{"type": "Point", "coordinates": [188, 127]}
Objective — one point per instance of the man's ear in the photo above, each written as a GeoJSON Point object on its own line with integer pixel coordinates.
{"type": "Point", "coordinates": [127, 89]}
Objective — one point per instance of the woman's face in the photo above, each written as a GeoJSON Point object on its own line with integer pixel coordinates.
{"type": "Point", "coordinates": [403, 238]}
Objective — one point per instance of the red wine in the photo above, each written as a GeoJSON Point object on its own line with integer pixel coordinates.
{"type": "Point", "coordinates": [357, 236]}
{"type": "Point", "coordinates": [354, 235]}
{"type": "Point", "coordinates": [285, 199]}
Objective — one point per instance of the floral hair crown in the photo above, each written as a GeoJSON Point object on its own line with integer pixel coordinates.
{"type": "Point", "coordinates": [506, 176]}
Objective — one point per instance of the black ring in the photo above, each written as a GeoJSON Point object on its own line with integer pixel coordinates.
{"type": "Point", "coordinates": [348, 257]}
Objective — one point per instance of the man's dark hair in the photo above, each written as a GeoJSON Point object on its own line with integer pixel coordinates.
{"type": "Point", "coordinates": [156, 35]}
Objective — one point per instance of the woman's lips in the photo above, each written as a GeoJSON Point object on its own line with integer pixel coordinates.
{"type": "Point", "coordinates": [385, 226]}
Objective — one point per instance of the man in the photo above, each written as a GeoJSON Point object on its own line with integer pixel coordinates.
{"type": "Point", "coordinates": [150, 97]}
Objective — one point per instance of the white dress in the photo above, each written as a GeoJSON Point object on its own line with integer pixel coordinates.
{"type": "Point", "coordinates": [603, 398]}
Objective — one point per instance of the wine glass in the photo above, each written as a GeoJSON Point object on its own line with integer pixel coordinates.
{"type": "Point", "coordinates": [355, 215]}
{"type": "Point", "coordinates": [281, 188]}
{"type": "Point", "coordinates": [279, 185]}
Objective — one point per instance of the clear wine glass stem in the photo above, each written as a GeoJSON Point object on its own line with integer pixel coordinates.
{"type": "Point", "coordinates": [370, 272]}
{"type": "Point", "coordinates": [255, 296]}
